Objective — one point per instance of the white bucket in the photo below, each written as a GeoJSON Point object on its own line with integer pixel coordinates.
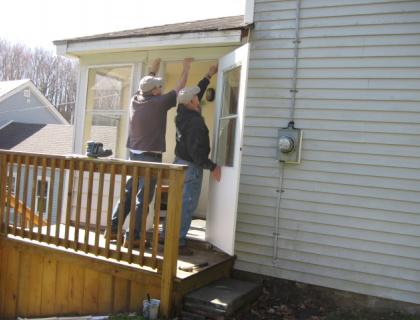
{"type": "Point", "coordinates": [151, 309]}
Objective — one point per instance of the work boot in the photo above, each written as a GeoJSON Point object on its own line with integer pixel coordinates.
{"type": "Point", "coordinates": [136, 243]}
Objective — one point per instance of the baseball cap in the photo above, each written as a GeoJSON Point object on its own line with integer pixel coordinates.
{"type": "Point", "coordinates": [187, 94]}
{"type": "Point", "coordinates": [148, 83]}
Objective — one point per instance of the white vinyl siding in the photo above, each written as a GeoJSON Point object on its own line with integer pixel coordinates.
{"type": "Point", "coordinates": [350, 212]}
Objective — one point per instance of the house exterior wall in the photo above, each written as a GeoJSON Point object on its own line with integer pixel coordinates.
{"type": "Point", "coordinates": [20, 109]}
{"type": "Point", "coordinates": [349, 215]}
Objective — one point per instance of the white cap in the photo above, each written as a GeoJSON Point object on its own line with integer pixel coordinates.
{"type": "Point", "coordinates": [148, 83]}
{"type": "Point", "coordinates": [187, 94]}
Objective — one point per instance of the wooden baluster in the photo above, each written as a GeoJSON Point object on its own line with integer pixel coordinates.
{"type": "Point", "coordinates": [78, 205]}
{"type": "Point", "coordinates": [50, 199]}
{"type": "Point", "coordinates": [24, 222]}
{"type": "Point", "coordinates": [3, 191]}
{"type": "Point", "coordinates": [121, 209]}
{"type": "Point", "coordinates": [17, 193]}
{"type": "Point", "coordinates": [99, 206]}
{"type": "Point", "coordinates": [33, 194]}
{"type": "Point", "coordinates": [9, 193]}
{"type": "Point", "coordinates": [88, 206]}
{"type": "Point", "coordinates": [145, 211]}
{"type": "Point", "coordinates": [135, 177]}
{"type": "Point", "coordinates": [69, 202]}
{"type": "Point", "coordinates": [41, 201]}
{"type": "Point", "coordinates": [110, 207]}
{"type": "Point", "coordinates": [158, 200]}
{"type": "Point", "coordinates": [59, 201]}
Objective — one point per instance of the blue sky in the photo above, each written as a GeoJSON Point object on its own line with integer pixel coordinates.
{"type": "Point", "coordinates": [36, 23]}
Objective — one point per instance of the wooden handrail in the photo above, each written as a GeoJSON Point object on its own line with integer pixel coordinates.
{"type": "Point", "coordinates": [77, 192]}
{"type": "Point", "coordinates": [22, 210]}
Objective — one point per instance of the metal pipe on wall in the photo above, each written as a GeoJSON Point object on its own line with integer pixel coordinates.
{"type": "Point", "coordinates": [292, 104]}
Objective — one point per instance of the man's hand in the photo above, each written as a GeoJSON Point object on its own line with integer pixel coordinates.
{"type": "Point", "coordinates": [154, 69]}
{"type": "Point", "coordinates": [217, 173]}
{"type": "Point", "coordinates": [212, 70]}
{"type": "Point", "coordinates": [187, 63]}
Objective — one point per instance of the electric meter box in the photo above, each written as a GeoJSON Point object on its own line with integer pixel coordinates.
{"type": "Point", "coordinates": [289, 144]}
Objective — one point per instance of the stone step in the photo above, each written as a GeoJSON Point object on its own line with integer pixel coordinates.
{"type": "Point", "coordinates": [220, 299]}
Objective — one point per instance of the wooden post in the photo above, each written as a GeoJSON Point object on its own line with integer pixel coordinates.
{"type": "Point", "coordinates": [59, 201]}
{"type": "Point", "coordinates": [3, 190]}
{"type": "Point", "coordinates": [170, 257]}
{"type": "Point", "coordinates": [110, 207]}
{"type": "Point", "coordinates": [135, 177]}
{"type": "Point", "coordinates": [88, 207]}
{"type": "Point", "coordinates": [158, 201]}
{"type": "Point", "coordinates": [50, 199]}
{"type": "Point", "coordinates": [33, 194]}
{"type": "Point", "coordinates": [17, 194]}
{"type": "Point", "coordinates": [78, 204]}
{"type": "Point", "coordinates": [24, 221]}
{"type": "Point", "coordinates": [69, 200]}
{"type": "Point", "coordinates": [121, 213]}
{"type": "Point", "coordinates": [99, 206]}
{"type": "Point", "coordinates": [41, 202]}
{"type": "Point", "coordinates": [145, 211]}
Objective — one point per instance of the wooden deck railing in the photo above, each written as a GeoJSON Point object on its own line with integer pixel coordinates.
{"type": "Point", "coordinates": [68, 190]}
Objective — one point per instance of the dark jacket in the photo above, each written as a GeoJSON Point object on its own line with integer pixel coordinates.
{"type": "Point", "coordinates": [192, 134]}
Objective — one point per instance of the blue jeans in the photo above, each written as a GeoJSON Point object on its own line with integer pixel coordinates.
{"type": "Point", "coordinates": [139, 196]}
{"type": "Point", "coordinates": [190, 196]}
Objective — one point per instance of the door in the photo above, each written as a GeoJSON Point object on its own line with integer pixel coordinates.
{"type": "Point", "coordinates": [227, 147]}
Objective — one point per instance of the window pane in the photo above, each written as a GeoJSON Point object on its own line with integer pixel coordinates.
{"type": "Point", "coordinates": [107, 103]}
{"type": "Point", "coordinates": [226, 142]}
{"type": "Point", "coordinates": [109, 88]}
{"type": "Point", "coordinates": [230, 91]}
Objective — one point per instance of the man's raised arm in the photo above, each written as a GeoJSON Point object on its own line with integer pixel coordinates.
{"type": "Point", "coordinates": [186, 65]}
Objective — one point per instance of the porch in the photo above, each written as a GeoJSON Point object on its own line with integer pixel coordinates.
{"type": "Point", "coordinates": [54, 260]}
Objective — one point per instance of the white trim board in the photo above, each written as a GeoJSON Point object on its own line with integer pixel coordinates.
{"type": "Point", "coordinates": [194, 39]}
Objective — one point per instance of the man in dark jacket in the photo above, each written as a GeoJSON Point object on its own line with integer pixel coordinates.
{"type": "Point", "coordinates": [146, 138]}
{"type": "Point", "coordinates": [192, 148]}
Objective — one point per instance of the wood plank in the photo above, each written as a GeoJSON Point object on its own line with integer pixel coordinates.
{"type": "Point", "coordinates": [79, 193]}
{"type": "Point", "coordinates": [132, 222]}
{"type": "Point", "coordinates": [33, 194]}
{"type": "Point", "coordinates": [48, 295]}
{"type": "Point", "coordinates": [121, 295]}
{"type": "Point", "coordinates": [61, 287]}
{"type": "Point", "coordinates": [109, 211]}
{"type": "Point", "coordinates": [76, 288]}
{"type": "Point", "coordinates": [3, 271]}
{"type": "Point", "coordinates": [88, 207]}
{"type": "Point", "coordinates": [17, 195]}
{"type": "Point", "coordinates": [158, 200]}
{"type": "Point", "coordinates": [105, 293]}
{"type": "Point", "coordinates": [41, 202]}
{"type": "Point", "coordinates": [137, 295]}
{"type": "Point", "coordinates": [121, 216]}
{"type": "Point", "coordinates": [50, 199]}
{"type": "Point", "coordinates": [69, 203]}
{"type": "Point", "coordinates": [35, 284]}
{"type": "Point", "coordinates": [91, 292]}
{"type": "Point", "coordinates": [99, 206]}
{"type": "Point", "coordinates": [23, 303]}
{"type": "Point", "coordinates": [145, 212]}
{"type": "Point", "coordinates": [25, 219]}
{"type": "Point", "coordinates": [11, 284]}
{"type": "Point", "coordinates": [59, 200]}
{"type": "Point", "coordinates": [171, 240]}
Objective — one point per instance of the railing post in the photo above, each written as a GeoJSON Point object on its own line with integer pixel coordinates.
{"type": "Point", "coordinates": [3, 177]}
{"type": "Point", "coordinates": [170, 257]}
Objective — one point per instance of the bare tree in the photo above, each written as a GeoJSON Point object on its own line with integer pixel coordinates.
{"type": "Point", "coordinates": [55, 77]}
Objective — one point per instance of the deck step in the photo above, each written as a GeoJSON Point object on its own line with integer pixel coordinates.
{"type": "Point", "coordinates": [219, 299]}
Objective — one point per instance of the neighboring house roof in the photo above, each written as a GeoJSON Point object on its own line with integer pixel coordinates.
{"type": "Point", "coordinates": [218, 24]}
{"type": "Point", "coordinates": [9, 88]}
{"type": "Point", "coordinates": [39, 138]}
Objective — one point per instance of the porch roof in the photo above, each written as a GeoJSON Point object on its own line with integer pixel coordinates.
{"type": "Point", "coordinates": [217, 24]}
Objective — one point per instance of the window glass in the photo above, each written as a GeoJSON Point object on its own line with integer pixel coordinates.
{"type": "Point", "coordinates": [227, 122]}
{"type": "Point", "coordinates": [107, 103]}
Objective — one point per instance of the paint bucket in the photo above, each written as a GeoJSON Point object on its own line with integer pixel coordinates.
{"type": "Point", "coordinates": [151, 309]}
